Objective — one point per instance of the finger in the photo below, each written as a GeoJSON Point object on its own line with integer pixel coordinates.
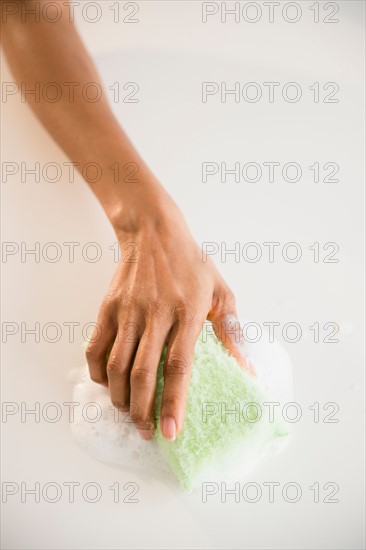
{"type": "Point", "coordinates": [100, 345]}
{"type": "Point", "coordinates": [177, 372]}
{"type": "Point", "coordinates": [227, 328]}
{"type": "Point", "coordinates": [143, 378]}
{"type": "Point", "coordinates": [119, 364]}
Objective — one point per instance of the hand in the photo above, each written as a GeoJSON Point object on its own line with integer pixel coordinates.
{"type": "Point", "coordinates": [164, 297]}
{"type": "Point", "coordinates": [170, 291]}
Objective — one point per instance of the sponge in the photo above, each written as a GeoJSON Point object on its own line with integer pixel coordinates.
{"type": "Point", "coordinates": [226, 429]}
{"type": "Point", "coordinates": [224, 411]}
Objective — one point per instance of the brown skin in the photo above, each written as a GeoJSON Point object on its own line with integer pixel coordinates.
{"type": "Point", "coordinates": [169, 291]}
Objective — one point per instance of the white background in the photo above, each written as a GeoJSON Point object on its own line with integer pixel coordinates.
{"type": "Point", "coordinates": [169, 53]}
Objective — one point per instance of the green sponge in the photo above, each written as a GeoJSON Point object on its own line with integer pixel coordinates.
{"type": "Point", "coordinates": [211, 433]}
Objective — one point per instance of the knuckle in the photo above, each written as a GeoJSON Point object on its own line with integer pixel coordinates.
{"type": "Point", "coordinates": [107, 307]}
{"type": "Point", "coordinates": [96, 335]}
{"type": "Point", "coordinates": [96, 362]}
{"type": "Point", "coordinates": [156, 309]}
{"type": "Point", "coordinates": [144, 425]}
{"type": "Point", "coordinates": [128, 309]}
{"type": "Point", "coordinates": [141, 420]}
{"type": "Point", "coordinates": [128, 302]}
{"type": "Point", "coordinates": [186, 312]}
{"type": "Point", "coordinates": [135, 414]}
{"type": "Point", "coordinates": [224, 301]}
{"type": "Point", "coordinates": [142, 375]}
{"type": "Point", "coordinates": [176, 366]}
{"type": "Point", "coordinates": [123, 406]}
{"type": "Point", "coordinates": [113, 365]}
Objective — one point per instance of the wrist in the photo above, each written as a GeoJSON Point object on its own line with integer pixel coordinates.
{"type": "Point", "coordinates": [133, 202]}
{"type": "Point", "coordinates": [148, 210]}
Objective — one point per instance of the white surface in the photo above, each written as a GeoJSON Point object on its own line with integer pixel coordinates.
{"type": "Point", "coordinates": [169, 53]}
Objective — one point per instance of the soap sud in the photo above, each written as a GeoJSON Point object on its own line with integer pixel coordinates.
{"type": "Point", "coordinates": [115, 440]}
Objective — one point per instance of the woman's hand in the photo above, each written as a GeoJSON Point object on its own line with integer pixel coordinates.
{"type": "Point", "coordinates": [161, 295]}
{"type": "Point", "coordinates": [170, 290]}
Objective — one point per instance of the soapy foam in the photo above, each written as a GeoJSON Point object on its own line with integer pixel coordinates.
{"type": "Point", "coordinates": [113, 439]}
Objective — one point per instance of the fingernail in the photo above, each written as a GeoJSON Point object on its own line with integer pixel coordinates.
{"type": "Point", "coordinates": [168, 428]}
{"type": "Point", "coordinates": [145, 434]}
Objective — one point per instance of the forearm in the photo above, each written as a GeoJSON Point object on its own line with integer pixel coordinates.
{"type": "Point", "coordinates": [43, 52]}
